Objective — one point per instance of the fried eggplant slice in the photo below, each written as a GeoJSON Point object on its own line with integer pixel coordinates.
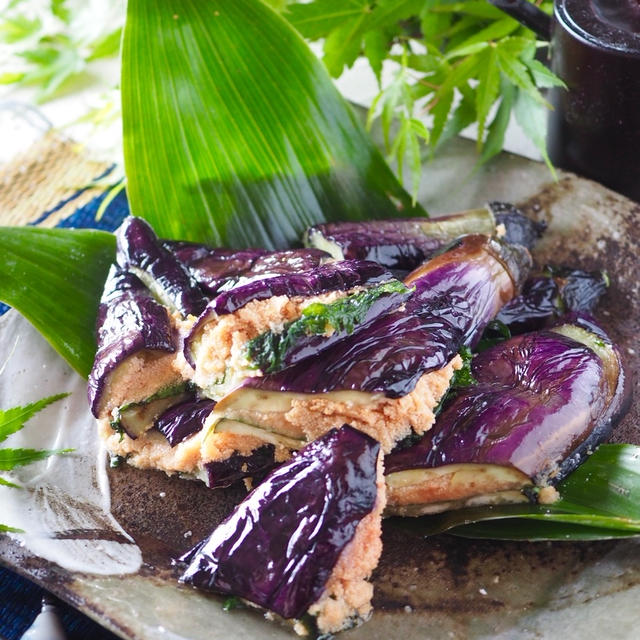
{"type": "Point", "coordinates": [315, 525]}
{"type": "Point", "coordinates": [541, 403]}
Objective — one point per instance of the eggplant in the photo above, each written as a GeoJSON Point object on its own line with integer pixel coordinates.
{"type": "Point", "coordinates": [542, 402]}
{"type": "Point", "coordinates": [184, 419]}
{"type": "Point", "coordinates": [546, 297]}
{"type": "Point", "coordinates": [136, 418]}
{"type": "Point", "coordinates": [281, 546]}
{"type": "Point", "coordinates": [518, 228]}
{"type": "Point", "coordinates": [404, 244]}
{"type": "Point", "coordinates": [224, 473]}
{"type": "Point", "coordinates": [222, 331]}
{"type": "Point", "coordinates": [455, 296]}
{"type": "Point", "coordinates": [323, 324]}
{"type": "Point", "coordinates": [215, 269]}
{"type": "Point", "coordinates": [140, 251]}
{"type": "Point", "coordinates": [129, 321]}
{"type": "Point", "coordinates": [335, 276]}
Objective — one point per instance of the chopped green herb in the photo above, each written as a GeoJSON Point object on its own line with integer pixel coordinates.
{"type": "Point", "coordinates": [495, 333]}
{"type": "Point", "coordinates": [115, 461]}
{"type": "Point", "coordinates": [268, 350]}
{"type": "Point", "coordinates": [231, 603]}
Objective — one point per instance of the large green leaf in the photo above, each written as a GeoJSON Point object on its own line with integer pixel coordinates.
{"type": "Point", "coordinates": [54, 277]}
{"type": "Point", "coordinates": [599, 500]}
{"type": "Point", "coordinates": [233, 131]}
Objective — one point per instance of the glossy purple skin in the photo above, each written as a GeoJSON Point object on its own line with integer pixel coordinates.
{"type": "Point", "coordinates": [129, 320]}
{"type": "Point", "coordinates": [519, 229]}
{"type": "Point", "coordinates": [404, 244]}
{"type": "Point", "coordinates": [138, 246]}
{"type": "Point", "coordinates": [184, 420]}
{"type": "Point", "coordinates": [453, 302]}
{"type": "Point", "coordinates": [544, 298]}
{"type": "Point", "coordinates": [539, 398]}
{"type": "Point", "coordinates": [214, 268]}
{"type": "Point", "coordinates": [238, 467]}
{"type": "Point", "coordinates": [280, 545]}
{"type": "Point", "coordinates": [399, 244]}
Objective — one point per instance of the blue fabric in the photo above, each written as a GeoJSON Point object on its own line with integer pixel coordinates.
{"type": "Point", "coordinates": [20, 599]}
{"type": "Point", "coordinates": [20, 604]}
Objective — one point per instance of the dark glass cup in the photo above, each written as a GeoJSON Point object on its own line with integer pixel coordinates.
{"type": "Point", "coordinates": [594, 129]}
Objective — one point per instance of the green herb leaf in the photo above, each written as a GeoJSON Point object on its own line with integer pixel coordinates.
{"type": "Point", "coordinates": [5, 529]}
{"type": "Point", "coordinates": [599, 500]}
{"type": "Point", "coordinates": [65, 270]}
{"type": "Point", "coordinates": [12, 420]}
{"type": "Point", "coordinates": [233, 131]}
{"type": "Point", "coordinates": [12, 458]}
{"type": "Point", "coordinates": [14, 29]}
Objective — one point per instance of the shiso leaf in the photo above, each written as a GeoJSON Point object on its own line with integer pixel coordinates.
{"type": "Point", "coordinates": [234, 133]}
{"type": "Point", "coordinates": [54, 277]}
{"type": "Point", "coordinates": [599, 501]}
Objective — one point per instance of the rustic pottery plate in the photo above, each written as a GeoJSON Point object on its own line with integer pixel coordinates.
{"type": "Point", "coordinates": [440, 587]}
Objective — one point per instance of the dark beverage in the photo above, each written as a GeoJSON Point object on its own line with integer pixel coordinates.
{"type": "Point", "coordinates": [595, 127]}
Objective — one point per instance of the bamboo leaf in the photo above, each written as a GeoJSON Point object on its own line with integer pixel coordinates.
{"type": "Point", "coordinates": [599, 501]}
{"type": "Point", "coordinates": [233, 131]}
{"type": "Point", "coordinates": [12, 420]}
{"type": "Point", "coordinates": [65, 270]}
{"type": "Point", "coordinates": [6, 483]}
{"type": "Point", "coordinates": [5, 529]}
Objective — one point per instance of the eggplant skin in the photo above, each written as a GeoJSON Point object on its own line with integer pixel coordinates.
{"type": "Point", "coordinates": [129, 321]}
{"type": "Point", "coordinates": [184, 420]}
{"type": "Point", "coordinates": [519, 229]}
{"type": "Point", "coordinates": [403, 244]}
{"type": "Point", "coordinates": [138, 248]}
{"type": "Point", "coordinates": [542, 400]}
{"type": "Point", "coordinates": [218, 268]}
{"type": "Point", "coordinates": [456, 295]}
{"type": "Point", "coordinates": [238, 467]}
{"type": "Point", "coordinates": [546, 297]}
{"type": "Point", "coordinates": [280, 545]}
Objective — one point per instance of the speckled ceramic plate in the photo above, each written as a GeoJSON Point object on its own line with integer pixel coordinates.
{"type": "Point", "coordinates": [442, 587]}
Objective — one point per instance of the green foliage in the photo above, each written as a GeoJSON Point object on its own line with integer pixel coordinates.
{"type": "Point", "coordinates": [460, 62]}
{"type": "Point", "coordinates": [53, 50]}
{"type": "Point", "coordinates": [11, 421]}
{"type": "Point", "coordinates": [234, 133]}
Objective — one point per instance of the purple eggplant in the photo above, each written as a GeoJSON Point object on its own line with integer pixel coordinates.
{"type": "Point", "coordinates": [336, 276]}
{"type": "Point", "coordinates": [546, 297]}
{"type": "Point", "coordinates": [129, 321]}
{"type": "Point", "coordinates": [456, 295]}
{"type": "Point", "coordinates": [518, 228]}
{"type": "Point", "coordinates": [404, 244]}
{"type": "Point", "coordinates": [140, 252]}
{"type": "Point", "coordinates": [256, 465]}
{"type": "Point", "coordinates": [215, 268]}
{"type": "Point", "coordinates": [542, 401]}
{"type": "Point", "coordinates": [185, 419]}
{"type": "Point", "coordinates": [280, 546]}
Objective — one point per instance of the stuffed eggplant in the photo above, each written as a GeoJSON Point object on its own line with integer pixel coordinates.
{"type": "Point", "coordinates": [315, 524]}
{"type": "Point", "coordinates": [404, 244]}
{"type": "Point", "coordinates": [541, 402]}
{"type": "Point", "coordinates": [269, 324]}
{"type": "Point", "coordinates": [216, 269]}
{"type": "Point", "coordinates": [387, 379]}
